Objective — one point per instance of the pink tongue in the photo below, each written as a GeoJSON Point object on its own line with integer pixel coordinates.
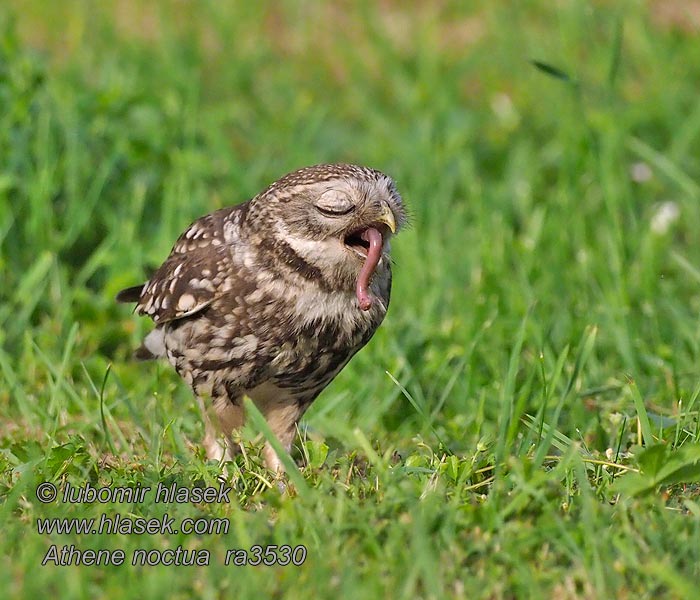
{"type": "Point", "coordinates": [374, 253]}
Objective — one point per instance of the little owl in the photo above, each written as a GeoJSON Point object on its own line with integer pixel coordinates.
{"type": "Point", "coordinates": [271, 298]}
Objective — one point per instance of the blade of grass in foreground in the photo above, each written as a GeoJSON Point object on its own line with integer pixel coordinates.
{"type": "Point", "coordinates": [507, 397]}
{"type": "Point", "coordinates": [581, 358]}
{"type": "Point", "coordinates": [641, 414]}
{"type": "Point", "coordinates": [290, 466]}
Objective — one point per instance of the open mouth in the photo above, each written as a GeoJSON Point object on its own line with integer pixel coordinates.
{"type": "Point", "coordinates": [360, 241]}
{"type": "Point", "coordinates": [357, 243]}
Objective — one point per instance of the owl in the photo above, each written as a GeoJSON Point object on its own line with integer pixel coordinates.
{"type": "Point", "coordinates": [271, 298]}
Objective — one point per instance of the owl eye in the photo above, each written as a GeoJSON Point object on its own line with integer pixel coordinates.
{"type": "Point", "coordinates": [333, 203]}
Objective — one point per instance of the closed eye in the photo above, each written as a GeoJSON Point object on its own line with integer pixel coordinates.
{"type": "Point", "coordinates": [339, 212]}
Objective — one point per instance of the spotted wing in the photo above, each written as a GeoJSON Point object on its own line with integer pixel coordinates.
{"type": "Point", "coordinates": [195, 273]}
{"type": "Point", "coordinates": [185, 284]}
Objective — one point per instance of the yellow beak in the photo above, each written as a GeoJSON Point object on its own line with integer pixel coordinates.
{"type": "Point", "coordinates": [387, 217]}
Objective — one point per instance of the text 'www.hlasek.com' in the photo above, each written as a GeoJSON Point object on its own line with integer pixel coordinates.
{"type": "Point", "coordinates": [119, 523]}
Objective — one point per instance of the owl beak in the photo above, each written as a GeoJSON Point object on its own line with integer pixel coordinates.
{"type": "Point", "coordinates": [387, 217]}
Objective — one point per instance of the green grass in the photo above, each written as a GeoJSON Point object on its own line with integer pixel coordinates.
{"type": "Point", "coordinates": [525, 424]}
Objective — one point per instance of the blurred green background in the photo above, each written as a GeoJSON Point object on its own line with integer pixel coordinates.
{"type": "Point", "coordinates": [548, 282]}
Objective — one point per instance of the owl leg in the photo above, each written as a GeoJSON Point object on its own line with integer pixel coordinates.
{"type": "Point", "coordinates": [282, 418]}
{"type": "Point", "coordinates": [272, 461]}
{"type": "Point", "coordinates": [226, 418]}
{"type": "Point", "coordinates": [231, 416]}
{"type": "Point", "coordinates": [214, 446]}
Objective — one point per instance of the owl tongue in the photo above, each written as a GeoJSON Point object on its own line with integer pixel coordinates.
{"type": "Point", "coordinates": [374, 238]}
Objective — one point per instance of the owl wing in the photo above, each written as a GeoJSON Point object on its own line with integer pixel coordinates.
{"type": "Point", "coordinates": [191, 278]}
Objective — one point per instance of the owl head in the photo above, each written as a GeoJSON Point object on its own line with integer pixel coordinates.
{"type": "Point", "coordinates": [338, 218]}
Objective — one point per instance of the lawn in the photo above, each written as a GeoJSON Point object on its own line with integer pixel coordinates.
{"type": "Point", "coordinates": [526, 421]}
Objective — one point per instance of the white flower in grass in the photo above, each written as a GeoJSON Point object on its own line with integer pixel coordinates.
{"type": "Point", "coordinates": [504, 109]}
{"type": "Point", "coordinates": [666, 214]}
{"type": "Point", "coordinates": [640, 172]}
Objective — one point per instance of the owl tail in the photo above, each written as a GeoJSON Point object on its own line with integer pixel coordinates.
{"type": "Point", "coordinates": [154, 343]}
{"type": "Point", "coordinates": [132, 294]}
